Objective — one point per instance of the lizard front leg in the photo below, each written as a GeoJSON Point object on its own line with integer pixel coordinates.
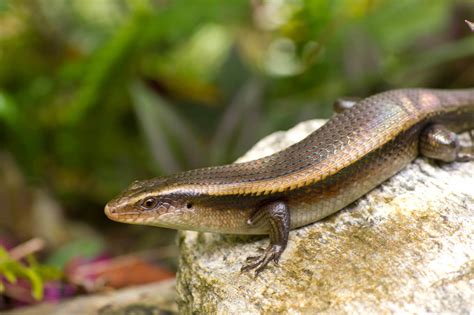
{"type": "Point", "coordinates": [278, 216]}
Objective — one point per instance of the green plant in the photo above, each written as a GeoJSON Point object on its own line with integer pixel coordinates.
{"type": "Point", "coordinates": [31, 270]}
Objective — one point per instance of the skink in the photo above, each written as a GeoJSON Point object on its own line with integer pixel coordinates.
{"type": "Point", "coordinates": [352, 153]}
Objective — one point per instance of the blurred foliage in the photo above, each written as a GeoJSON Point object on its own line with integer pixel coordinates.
{"type": "Point", "coordinates": [37, 274]}
{"type": "Point", "coordinates": [85, 249]}
{"type": "Point", "coordinates": [94, 94]}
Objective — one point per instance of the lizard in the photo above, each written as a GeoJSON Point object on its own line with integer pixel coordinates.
{"type": "Point", "coordinates": [364, 144]}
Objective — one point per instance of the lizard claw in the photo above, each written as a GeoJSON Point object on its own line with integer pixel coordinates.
{"type": "Point", "coordinates": [259, 263]}
{"type": "Point", "coordinates": [254, 258]}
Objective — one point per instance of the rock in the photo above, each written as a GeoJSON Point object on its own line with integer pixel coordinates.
{"type": "Point", "coordinates": [406, 247]}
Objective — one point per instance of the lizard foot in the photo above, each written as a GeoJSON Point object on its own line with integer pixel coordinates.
{"type": "Point", "coordinates": [259, 263]}
{"type": "Point", "coordinates": [465, 157]}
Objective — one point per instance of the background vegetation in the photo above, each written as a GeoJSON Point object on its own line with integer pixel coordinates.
{"type": "Point", "coordinates": [95, 94]}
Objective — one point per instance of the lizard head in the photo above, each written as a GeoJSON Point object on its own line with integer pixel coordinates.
{"type": "Point", "coordinates": [152, 202]}
{"type": "Point", "coordinates": [172, 203]}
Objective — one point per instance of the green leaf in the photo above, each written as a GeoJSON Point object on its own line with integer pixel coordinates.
{"type": "Point", "coordinates": [108, 59]}
{"type": "Point", "coordinates": [6, 266]}
{"type": "Point", "coordinates": [32, 262]}
{"type": "Point", "coordinates": [37, 284]}
{"type": "Point", "coordinates": [8, 111]}
{"type": "Point", "coordinates": [87, 248]}
{"type": "Point", "coordinates": [34, 272]}
{"type": "Point", "coordinates": [161, 124]}
{"type": "Point", "coordinates": [49, 272]}
{"type": "Point", "coordinates": [4, 4]}
{"type": "Point", "coordinates": [8, 274]}
{"type": "Point", "coordinates": [4, 254]}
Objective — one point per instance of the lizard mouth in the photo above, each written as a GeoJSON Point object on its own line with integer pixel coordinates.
{"type": "Point", "coordinates": [118, 215]}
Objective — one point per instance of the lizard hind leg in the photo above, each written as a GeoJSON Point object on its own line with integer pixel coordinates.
{"type": "Point", "coordinates": [439, 143]}
{"type": "Point", "coordinates": [278, 216]}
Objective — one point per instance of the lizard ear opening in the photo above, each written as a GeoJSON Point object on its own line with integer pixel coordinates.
{"type": "Point", "coordinates": [189, 205]}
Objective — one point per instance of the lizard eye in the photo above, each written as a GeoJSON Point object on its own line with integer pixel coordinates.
{"type": "Point", "coordinates": [149, 203]}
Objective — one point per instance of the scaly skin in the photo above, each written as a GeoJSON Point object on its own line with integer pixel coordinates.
{"type": "Point", "coordinates": [347, 157]}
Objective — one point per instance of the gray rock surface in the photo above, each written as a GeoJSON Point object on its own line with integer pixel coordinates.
{"type": "Point", "coordinates": [406, 247]}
